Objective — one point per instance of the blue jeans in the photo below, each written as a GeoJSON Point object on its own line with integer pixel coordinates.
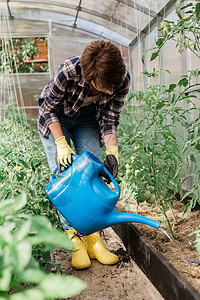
{"type": "Point", "coordinates": [83, 130]}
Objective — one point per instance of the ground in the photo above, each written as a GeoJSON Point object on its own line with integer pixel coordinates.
{"type": "Point", "coordinates": [124, 280]}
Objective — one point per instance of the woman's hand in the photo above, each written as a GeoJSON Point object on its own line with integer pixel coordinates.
{"type": "Point", "coordinates": [64, 152]}
{"type": "Point", "coordinates": [111, 162]}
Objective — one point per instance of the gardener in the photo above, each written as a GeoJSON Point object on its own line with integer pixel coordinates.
{"type": "Point", "coordinates": [82, 104]}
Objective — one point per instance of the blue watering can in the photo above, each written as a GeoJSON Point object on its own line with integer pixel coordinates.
{"type": "Point", "coordinates": [85, 200]}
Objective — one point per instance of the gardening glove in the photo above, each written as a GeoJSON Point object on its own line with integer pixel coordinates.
{"type": "Point", "coordinates": [64, 152]}
{"type": "Point", "coordinates": [111, 162]}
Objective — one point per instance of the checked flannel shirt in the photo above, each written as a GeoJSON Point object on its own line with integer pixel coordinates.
{"type": "Point", "coordinates": [67, 91]}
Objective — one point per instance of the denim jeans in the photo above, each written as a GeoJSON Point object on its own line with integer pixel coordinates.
{"type": "Point", "coordinates": [83, 130]}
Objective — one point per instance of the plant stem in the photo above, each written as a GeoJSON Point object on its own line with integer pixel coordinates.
{"type": "Point", "coordinates": [168, 222]}
{"type": "Point", "coordinates": [165, 214]}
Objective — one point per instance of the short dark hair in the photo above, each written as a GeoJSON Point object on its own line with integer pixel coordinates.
{"type": "Point", "coordinates": [102, 63]}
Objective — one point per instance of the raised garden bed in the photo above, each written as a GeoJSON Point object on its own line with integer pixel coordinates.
{"type": "Point", "coordinates": [174, 271]}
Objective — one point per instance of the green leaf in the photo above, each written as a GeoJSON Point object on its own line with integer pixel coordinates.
{"type": "Point", "coordinates": [183, 81]}
{"type": "Point", "coordinates": [195, 73]}
{"type": "Point", "coordinates": [3, 298]}
{"type": "Point", "coordinates": [171, 87]}
{"type": "Point", "coordinates": [187, 209]}
{"type": "Point", "coordinates": [5, 233]}
{"type": "Point", "coordinates": [178, 8]}
{"type": "Point", "coordinates": [160, 42]}
{"type": "Point", "coordinates": [40, 223]}
{"type": "Point", "coordinates": [9, 152]}
{"type": "Point", "coordinates": [192, 157]}
{"type": "Point", "coordinates": [13, 205]}
{"type": "Point", "coordinates": [23, 252]}
{"type": "Point", "coordinates": [31, 294]}
{"type": "Point", "coordinates": [197, 11]}
{"type": "Point", "coordinates": [22, 231]}
{"type": "Point", "coordinates": [144, 157]}
{"type": "Point", "coordinates": [165, 34]}
{"type": "Point", "coordinates": [154, 55]}
{"type": "Point", "coordinates": [159, 105]}
{"type": "Point", "coordinates": [198, 146]}
{"type": "Point", "coordinates": [32, 166]}
{"type": "Point", "coordinates": [32, 275]}
{"type": "Point", "coordinates": [55, 238]}
{"type": "Point", "coordinates": [55, 286]}
{"type": "Point", "coordinates": [143, 55]}
{"type": "Point", "coordinates": [172, 97]}
{"type": "Point", "coordinates": [6, 207]}
{"type": "Point", "coordinates": [5, 279]}
{"type": "Point", "coordinates": [20, 201]}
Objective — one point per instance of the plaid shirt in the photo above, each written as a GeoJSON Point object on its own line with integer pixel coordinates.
{"type": "Point", "coordinates": [67, 91]}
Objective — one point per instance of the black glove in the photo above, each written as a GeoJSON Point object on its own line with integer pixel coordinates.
{"type": "Point", "coordinates": [111, 165]}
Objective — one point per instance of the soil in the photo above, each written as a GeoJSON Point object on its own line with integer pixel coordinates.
{"type": "Point", "coordinates": [182, 253]}
{"type": "Point", "coordinates": [124, 280]}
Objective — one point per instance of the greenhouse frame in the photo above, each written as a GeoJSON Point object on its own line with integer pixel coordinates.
{"type": "Point", "coordinates": [71, 25]}
{"type": "Point", "coordinates": [159, 127]}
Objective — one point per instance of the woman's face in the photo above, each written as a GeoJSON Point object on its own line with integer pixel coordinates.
{"type": "Point", "coordinates": [100, 89]}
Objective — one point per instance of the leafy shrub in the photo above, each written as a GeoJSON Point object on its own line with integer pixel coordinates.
{"type": "Point", "coordinates": [150, 148]}
{"type": "Point", "coordinates": [23, 165]}
{"type": "Point", "coordinates": [20, 274]}
{"type": "Point", "coordinates": [17, 51]}
{"type": "Point", "coordinates": [26, 236]}
{"type": "Point", "coordinates": [185, 32]}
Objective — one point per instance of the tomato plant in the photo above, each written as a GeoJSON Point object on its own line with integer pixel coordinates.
{"type": "Point", "coordinates": [151, 149]}
{"type": "Point", "coordinates": [185, 32]}
{"type": "Point", "coordinates": [149, 143]}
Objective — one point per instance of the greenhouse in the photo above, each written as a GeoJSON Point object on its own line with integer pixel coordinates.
{"type": "Point", "coordinates": [99, 148]}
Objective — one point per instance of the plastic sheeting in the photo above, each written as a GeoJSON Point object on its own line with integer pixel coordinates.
{"type": "Point", "coordinates": [117, 20]}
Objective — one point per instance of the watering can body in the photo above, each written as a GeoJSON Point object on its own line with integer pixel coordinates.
{"type": "Point", "coordinates": [85, 200]}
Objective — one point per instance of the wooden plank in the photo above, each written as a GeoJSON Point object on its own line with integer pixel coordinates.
{"type": "Point", "coordinates": [166, 279]}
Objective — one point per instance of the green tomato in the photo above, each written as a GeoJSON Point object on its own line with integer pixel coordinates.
{"type": "Point", "coordinates": [145, 196]}
{"type": "Point", "coordinates": [151, 188]}
{"type": "Point", "coordinates": [152, 199]}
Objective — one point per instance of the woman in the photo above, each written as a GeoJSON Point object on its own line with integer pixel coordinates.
{"type": "Point", "coordinates": [82, 104]}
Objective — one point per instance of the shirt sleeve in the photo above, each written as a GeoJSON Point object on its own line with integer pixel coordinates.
{"type": "Point", "coordinates": [56, 90]}
{"type": "Point", "coordinates": [51, 99]}
{"type": "Point", "coordinates": [111, 113]}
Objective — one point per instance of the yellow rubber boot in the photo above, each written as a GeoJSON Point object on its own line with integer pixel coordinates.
{"type": "Point", "coordinates": [80, 258]}
{"type": "Point", "coordinates": [97, 250]}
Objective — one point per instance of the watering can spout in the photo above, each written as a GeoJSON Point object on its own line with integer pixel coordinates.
{"type": "Point", "coordinates": [117, 217]}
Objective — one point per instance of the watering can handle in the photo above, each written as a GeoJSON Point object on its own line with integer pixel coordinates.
{"type": "Point", "coordinates": [74, 157]}
{"type": "Point", "coordinates": [112, 179]}
{"type": "Point", "coordinates": [54, 172]}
